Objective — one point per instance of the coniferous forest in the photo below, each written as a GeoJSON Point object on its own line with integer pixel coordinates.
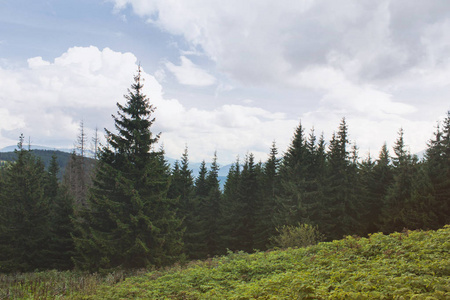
{"type": "Point", "coordinates": [129, 209]}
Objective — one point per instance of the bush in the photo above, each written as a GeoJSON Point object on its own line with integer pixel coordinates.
{"type": "Point", "coordinates": [297, 236]}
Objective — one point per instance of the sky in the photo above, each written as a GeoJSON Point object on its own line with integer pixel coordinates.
{"type": "Point", "coordinates": [228, 76]}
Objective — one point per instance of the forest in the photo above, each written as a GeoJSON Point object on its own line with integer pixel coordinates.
{"type": "Point", "coordinates": [129, 209]}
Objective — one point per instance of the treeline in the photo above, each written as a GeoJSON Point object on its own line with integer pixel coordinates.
{"type": "Point", "coordinates": [130, 209]}
{"type": "Point", "coordinates": [45, 156]}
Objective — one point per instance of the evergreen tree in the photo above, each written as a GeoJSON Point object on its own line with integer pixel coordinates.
{"type": "Point", "coordinates": [61, 247]}
{"type": "Point", "coordinates": [340, 205]}
{"type": "Point", "coordinates": [24, 214]}
{"type": "Point", "coordinates": [248, 203]}
{"type": "Point", "coordinates": [182, 186]}
{"type": "Point", "coordinates": [398, 208]}
{"type": "Point", "coordinates": [438, 170]}
{"type": "Point", "coordinates": [229, 208]}
{"type": "Point", "coordinates": [293, 173]}
{"type": "Point", "coordinates": [314, 181]}
{"type": "Point", "coordinates": [270, 188]}
{"type": "Point", "coordinates": [199, 231]}
{"type": "Point", "coordinates": [210, 210]}
{"type": "Point", "coordinates": [129, 221]}
{"type": "Point", "coordinates": [201, 187]}
{"type": "Point", "coordinates": [376, 178]}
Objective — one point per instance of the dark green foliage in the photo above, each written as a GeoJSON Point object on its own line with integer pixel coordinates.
{"type": "Point", "coordinates": [293, 173]}
{"type": "Point", "coordinates": [24, 214]}
{"type": "Point", "coordinates": [302, 180]}
{"type": "Point", "coordinates": [60, 246]}
{"type": "Point", "coordinates": [182, 187]}
{"type": "Point", "coordinates": [198, 231]}
{"type": "Point", "coordinates": [45, 156]}
{"type": "Point", "coordinates": [230, 208]}
{"type": "Point", "coordinates": [129, 221]}
{"type": "Point", "coordinates": [246, 206]}
{"type": "Point", "coordinates": [437, 167]}
{"type": "Point", "coordinates": [267, 205]}
{"type": "Point", "coordinates": [378, 181]}
{"type": "Point", "coordinates": [409, 200]}
{"type": "Point", "coordinates": [210, 198]}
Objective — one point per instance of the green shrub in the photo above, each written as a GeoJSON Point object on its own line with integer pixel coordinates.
{"type": "Point", "coordinates": [297, 236]}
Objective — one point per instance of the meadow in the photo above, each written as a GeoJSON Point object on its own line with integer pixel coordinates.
{"type": "Point", "coordinates": [405, 265]}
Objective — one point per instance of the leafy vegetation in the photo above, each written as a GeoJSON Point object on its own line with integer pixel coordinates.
{"type": "Point", "coordinates": [411, 264]}
{"type": "Point", "coordinates": [297, 236]}
{"type": "Point", "coordinates": [406, 265]}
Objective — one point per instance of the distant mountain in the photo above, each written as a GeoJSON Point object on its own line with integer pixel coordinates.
{"type": "Point", "coordinates": [45, 155]}
{"type": "Point", "coordinates": [63, 156]}
{"type": "Point", "coordinates": [35, 147]}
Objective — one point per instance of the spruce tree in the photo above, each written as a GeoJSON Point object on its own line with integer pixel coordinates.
{"type": "Point", "coordinates": [314, 181]}
{"type": "Point", "coordinates": [438, 170]}
{"type": "Point", "coordinates": [61, 247]}
{"type": "Point", "coordinates": [399, 210]}
{"type": "Point", "coordinates": [340, 203]}
{"type": "Point", "coordinates": [248, 203]}
{"type": "Point", "coordinates": [129, 221]}
{"type": "Point", "coordinates": [199, 232]}
{"type": "Point", "coordinates": [293, 172]}
{"type": "Point", "coordinates": [270, 187]}
{"type": "Point", "coordinates": [24, 214]}
{"type": "Point", "coordinates": [376, 177]}
{"type": "Point", "coordinates": [210, 211]}
{"type": "Point", "coordinates": [229, 206]}
{"type": "Point", "coordinates": [182, 186]}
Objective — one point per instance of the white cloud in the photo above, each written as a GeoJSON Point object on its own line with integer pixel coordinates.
{"type": "Point", "coordinates": [380, 44]}
{"type": "Point", "coordinates": [47, 100]}
{"type": "Point", "coordinates": [190, 74]}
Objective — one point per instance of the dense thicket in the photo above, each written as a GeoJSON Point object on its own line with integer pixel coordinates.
{"type": "Point", "coordinates": [35, 215]}
{"type": "Point", "coordinates": [130, 209]}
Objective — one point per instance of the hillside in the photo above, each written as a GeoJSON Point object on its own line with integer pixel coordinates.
{"type": "Point", "coordinates": [413, 264]}
{"type": "Point", "coordinates": [408, 265]}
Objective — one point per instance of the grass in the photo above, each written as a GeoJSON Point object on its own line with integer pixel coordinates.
{"type": "Point", "coordinates": [55, 284]}
{"type": "Point", "coordinates": [408, 265]}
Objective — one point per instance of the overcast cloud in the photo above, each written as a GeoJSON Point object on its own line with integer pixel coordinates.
{"type": "Point", "coordinates": [233, 76]}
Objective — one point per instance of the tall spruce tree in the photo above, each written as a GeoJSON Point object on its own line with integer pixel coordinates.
{"type": "Point", "coordinates": [210, 211]}
{"type": "Point", "coordinates": [129, 221]}
{"type": "Point", "coordinates": [182, 186]}
{"type": "Point", "coordinates": [24, 214]}
{"type": "Point", "coordinates": [314, 181]}
{"type": "Point", "coordinates": [199, 232]}
{"type": "Point", "coordinates": [340, 205]}
{"type": "Point", "coordinates": [61, 247]}
{"type": "Point", "coordinates": [376, 178]}
{"type": "Point", "coordinates": [293, 173]}
{"type": "Point", "coordinates": [270, 187]}
{"type": "Point", "coordinates": [398, 198]}
{"type": "Point", "coordinates": [438, 170]}
{"type": "Point", "coordinates": [229, 208]}
{"type": "Point", "coordinates": [248, 203]}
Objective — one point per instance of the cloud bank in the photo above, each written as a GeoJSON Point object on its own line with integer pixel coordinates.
{"type": "Point", "coordinates": [47, 100]}
{"type": "Point", "coordinates": [383, 63]}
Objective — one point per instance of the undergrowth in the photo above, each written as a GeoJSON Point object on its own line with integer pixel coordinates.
{"type": "Point", "coordinates": [407, 265]}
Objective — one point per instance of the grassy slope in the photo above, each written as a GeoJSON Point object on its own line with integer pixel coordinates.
{"type": "Point", "coordinates": [410, 265]}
